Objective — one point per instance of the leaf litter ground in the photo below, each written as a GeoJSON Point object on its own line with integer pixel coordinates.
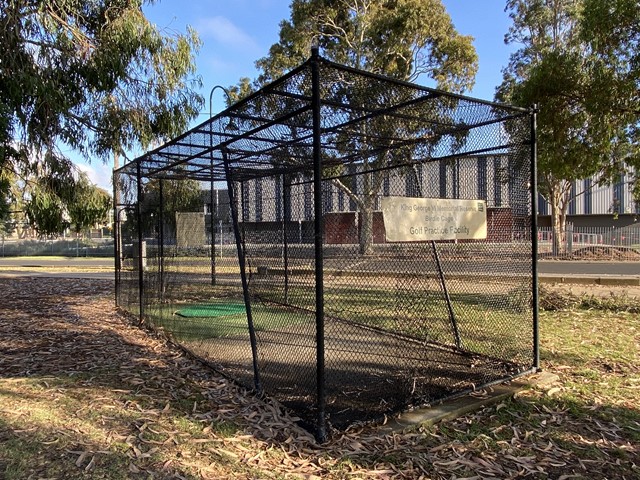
{"type": "Point", "coordinates": [85, 393]}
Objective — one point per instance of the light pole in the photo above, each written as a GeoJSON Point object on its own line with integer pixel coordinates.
{"type": "Point", "coordinates": [212, 226]}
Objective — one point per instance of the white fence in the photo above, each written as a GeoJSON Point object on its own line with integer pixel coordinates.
{"type": "Point", "coordinates": [594, 243]}
{"type": "Point", "coordinates": [588, 243]}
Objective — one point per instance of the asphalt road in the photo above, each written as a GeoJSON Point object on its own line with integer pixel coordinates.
{"type": "Point", "coordinates": [56, 262]}
{"type": "Point", "coordinates": [41, 267]}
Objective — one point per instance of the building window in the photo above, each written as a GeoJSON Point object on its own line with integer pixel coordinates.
{"type": "Point", "coordinates": [258, 192]}
{"type": "Point", "coordinates": [308, 201]}
{"type": "Point", "coordinates": [588, 202]}
{"type": "Point", "coordinates": [353, 180]}
{"type": "Point", "coordinates": [443, 179]}
{"type": "Point", "coordinates": [455, 178]}
{"type": "Point", "coordinates": [279, 204]}
{"type": "Point", "coordinates": [572, 201]}
{"type": "Point", "coordinates": [497, 181]}
{"type": "Point", "coordinates": [327, 197]}
{"type": "Point", "coordinates": [482, 177]}
{"type": "Point", "coordinates": [412, 181]}
{"type": "Point", "coordinates": [543, 206]}
{"type": "Point", "coordinates": [244, 198]}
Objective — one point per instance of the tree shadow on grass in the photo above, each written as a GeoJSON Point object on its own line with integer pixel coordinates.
{"type": "Point", "coordinates": [76, 380]}
{"type": "Point", "coordinates": [84, 392]}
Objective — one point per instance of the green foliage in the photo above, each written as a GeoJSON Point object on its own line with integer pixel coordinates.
{"type": "Point", "coordinates": [89, 206]}
{"type": "Point", "coordinates": [45, 212]}
{"type": "Point", "coordinates": [5, 202]}
{"type": "Point", "coordinates": [401, 38]}
{"type": "Point", "coordinates": [177, 196]}
{"type": "Point", "coordinates": [48, 188]}
{"type": "Point", "coordinates": [579, 62]}
{"type": "Point", "coordinates": [97, 76]}
{"type": "Point", "coordinates": [57, 197]}
{"type": "Point", "coordinates": [404, 39]}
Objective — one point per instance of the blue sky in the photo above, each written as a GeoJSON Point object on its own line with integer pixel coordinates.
{"type": "Point", "coordinates": [235, 33]}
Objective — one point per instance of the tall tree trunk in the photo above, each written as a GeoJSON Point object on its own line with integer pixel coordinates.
{"type": "Point", "coordinates": [558, 228]}
{"type": "Point", "coordinates": [366, 202]}
{"type": "Point", "coordinates": [366, 225]}
{"type": "Point", "coordinates": [559, 197]}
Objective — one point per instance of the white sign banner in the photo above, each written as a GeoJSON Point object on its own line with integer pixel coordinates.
{"type": "Point", "coordinates": [419, 219]}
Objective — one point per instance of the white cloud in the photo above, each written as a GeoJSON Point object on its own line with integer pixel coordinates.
{"type": "Point", "coordinates": [224, 31]}
{"type": "Point", "coordinates": [99, 174]}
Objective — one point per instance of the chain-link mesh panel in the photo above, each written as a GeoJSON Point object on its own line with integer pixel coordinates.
{"type": "Point", "coordinates": [406, 322]}
{"type": "Point", "coordinates": [425, 243]}
{"type": "Point", "coordinates": [126, 243]}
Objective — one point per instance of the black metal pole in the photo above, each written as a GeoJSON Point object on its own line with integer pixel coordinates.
{"type": "Point", "coordinates": [243, 273]}
{"type": "Point", "coordinates": [213, 231]}
{"type": "Point", "coordinates": [116, 238]}
{"type": "Point", "coordinates": [321, 432]}
{"type": "Point", "coordinates": [534, 234]}
{"type": "Point", "coordinates": [140, 246]}
{"type": "Point", "coordinates": [161, 239]}
{"type": "Point", "coordinates": [445, 291]}
{"type": "Point", "coordinates": [286, 215]}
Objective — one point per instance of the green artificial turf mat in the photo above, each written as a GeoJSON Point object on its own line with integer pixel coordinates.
{"type": "Point", "coordinates": [211, 310]}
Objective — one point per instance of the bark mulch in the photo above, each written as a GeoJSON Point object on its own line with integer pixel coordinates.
{"type": "Point", "coordinates": [86, 393]}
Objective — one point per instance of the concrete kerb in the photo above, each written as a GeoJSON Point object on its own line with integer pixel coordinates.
{"type": "Point", "coordinates": [457, 407]}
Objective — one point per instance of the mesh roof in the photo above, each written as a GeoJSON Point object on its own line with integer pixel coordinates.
{"type": "Point", "coordinates": [362, 117]}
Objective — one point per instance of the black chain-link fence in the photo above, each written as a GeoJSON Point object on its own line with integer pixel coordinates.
{"type": "Point", "coordinates": [373, 251]}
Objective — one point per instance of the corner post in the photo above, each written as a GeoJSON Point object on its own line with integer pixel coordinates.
{"type": "Point", "coordinates": [534, 234]}
{"type": "Point", "coordinates": [140, 245]}
{"type": "Point", "coordinates": [161, 240]}
{"type": "Point", "coordinates": [321, 431]}
{"type": "Point", "coordinates": [116, 237]}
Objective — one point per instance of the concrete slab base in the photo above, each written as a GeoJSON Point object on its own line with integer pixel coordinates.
{"type": "Point", "coordinates": [457, 407]}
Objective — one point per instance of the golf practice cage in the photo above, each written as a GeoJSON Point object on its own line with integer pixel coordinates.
{"type": "Point", "coordinates": [351, 245]}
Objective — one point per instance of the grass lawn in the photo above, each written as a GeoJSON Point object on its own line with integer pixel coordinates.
{"type": "Point", "coordinates": [480, 317]}
{"type": "Point", "coordinates": [85, 394]}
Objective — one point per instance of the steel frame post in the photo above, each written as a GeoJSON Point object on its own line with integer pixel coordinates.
{"type": "Point", "coordinates": [286, 215]}
{"type": "Point", "coordinates": [321, 429]}
{"type": "Point", "coordinates": [243, 273]}
{"type": "Point", "coordinates": [445, 292]}
{"type": "Point", "coordinates": [116, 238]}
{"type": "Point", "coordinates": [212, 228]}
{"type": "Point", "coordinates": [161, 239]}
{"type": "Point", "coordinates": [140, 248]}
{"type": "Point", "coordinates": [534, 234]}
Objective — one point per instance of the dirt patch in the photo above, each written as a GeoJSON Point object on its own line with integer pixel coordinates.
{"type": "Point", "coordinates": [604, 253]}
{"type": "Point", "coordinates": [592, 290]}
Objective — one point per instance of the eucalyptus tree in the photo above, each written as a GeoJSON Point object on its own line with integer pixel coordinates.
{"type": "Point", "coordinates": [576, 63]}
{"type": "Point", "coordinates": [46, 191]}
{"type": "Point", "coordinates": [6, 200]}
{"type": "Point", "coordinates": [94, 76]}
{"type": "Point", "coordinates": [90, 206]}
{"type": "Point", "coordinates": [404, 39]}
{"type": "Point", "coordinates": [178, 195]}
